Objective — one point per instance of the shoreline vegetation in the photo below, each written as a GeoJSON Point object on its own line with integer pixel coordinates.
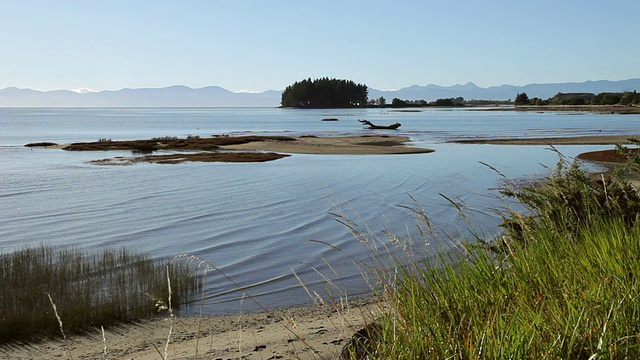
{"type": "Point", "coordinates": [240, 148]}
{"type": "Point", "coordinates": [85, 289]}
{"type": "Point", "coordinates": [488, 105]}
{"type": "Point", "coordinates": [602, 109]}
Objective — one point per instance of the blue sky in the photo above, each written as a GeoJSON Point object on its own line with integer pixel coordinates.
{"type": "Point", "coordinates": [261, 45]}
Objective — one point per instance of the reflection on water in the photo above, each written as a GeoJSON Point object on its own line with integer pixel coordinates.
{"type": "Point", "coordinates": [258, 222]}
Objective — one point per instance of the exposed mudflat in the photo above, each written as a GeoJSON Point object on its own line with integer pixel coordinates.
{"type": "Point", "coordinates": [239, 148]}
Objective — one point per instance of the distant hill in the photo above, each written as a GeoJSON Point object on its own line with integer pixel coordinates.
{"type": "Point", "coordinates": [215, 96]}
{"type": "Point", "coordinates": [173, 96]}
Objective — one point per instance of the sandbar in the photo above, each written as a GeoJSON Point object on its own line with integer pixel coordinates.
{"type": "Point", "coordinates": [336, 145]}
{"type": "Point", "coordinates": [173, 150]}
{"type": "Point", "coordinates": [610, 158]}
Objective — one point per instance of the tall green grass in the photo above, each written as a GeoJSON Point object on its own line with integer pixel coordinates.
{"type": "Point", "coordinates": [570, 198]}
{"type": "Point", "coordinates": [552, 299]}
{"type": "Point", "coordinates": [88, 290]}
{"type": "Point", "coordinates": [561, 282]}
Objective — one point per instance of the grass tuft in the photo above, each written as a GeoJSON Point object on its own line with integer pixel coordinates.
{"type": "Point", "coordinates": [88, 290]}
{"type": "Point", "coordinates": [569, 199]}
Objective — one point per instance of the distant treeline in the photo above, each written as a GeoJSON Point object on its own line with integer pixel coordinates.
{"type": "Point", "coordinates": [325, 93]}
{"type": "Point", "coordinates": [606, 98]}
{"type": "Point", "coordinates": [337, 93]}
{"type": "Point", "coordinates": [446, 102]}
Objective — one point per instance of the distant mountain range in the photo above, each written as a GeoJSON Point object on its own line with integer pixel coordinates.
{"type": "Point", "coordinates": [470, 91]}
{"type": "Point", "coordinates": [172, 96]}
{"type": "Point", "coordinates": [215, 96]}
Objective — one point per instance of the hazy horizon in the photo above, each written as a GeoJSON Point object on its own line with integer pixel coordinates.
{"type": "Point", "coordinates": [245, 91]}
{"type": "Point", "coordinates": [255, 46]}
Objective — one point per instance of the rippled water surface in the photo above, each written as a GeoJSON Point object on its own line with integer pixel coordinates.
{"type": "Point", "coordinates": [258, 222]}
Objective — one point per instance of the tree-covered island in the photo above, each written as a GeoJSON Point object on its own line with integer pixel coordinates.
{"type": "Point", "coordinates": [325, 93]}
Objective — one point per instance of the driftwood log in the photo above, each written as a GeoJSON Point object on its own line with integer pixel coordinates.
{"type": "Point", "coordinates": [378, 127]}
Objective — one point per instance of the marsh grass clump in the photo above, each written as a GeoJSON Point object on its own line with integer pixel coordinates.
{"type": "Point", "coordinates": [144, 147]}
{"type": "Point", "coordinates": [569, 198]}
{"type": "Point", "coordinates": [41, 144]}
{"type": "Point", "coordinates": [164, 138]}
{"type": "Point", "coordinates": [88, 290]}
{"type": "Point", "coordinates": [565, 283]}
{"type": "Point", "coordinates": [172, 143]}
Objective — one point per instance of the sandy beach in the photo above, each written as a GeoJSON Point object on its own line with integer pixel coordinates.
{"type": "Point", "coordinates": [306, 332]}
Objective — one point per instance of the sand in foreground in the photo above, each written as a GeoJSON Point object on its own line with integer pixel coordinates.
{"type": "Point", "coordinates": [308, 332]}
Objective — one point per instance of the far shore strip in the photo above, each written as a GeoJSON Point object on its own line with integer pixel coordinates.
{"type": "Point", "coordinates": [575, 140]}
{"type": "Point", "coordinates": [598, 109]}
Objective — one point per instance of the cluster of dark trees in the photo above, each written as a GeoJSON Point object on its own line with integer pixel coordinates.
{"type": "Point", "coordinates": [336, 93]}
{"type": "Point", "coordinates": [398, 103]}
{"type": "Point", "coordinates": [325, 93]}
{"type": "Point", "coordinates": [606, 98]}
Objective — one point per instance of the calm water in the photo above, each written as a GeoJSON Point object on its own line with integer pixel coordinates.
{"type": "Point", "coordinates": [256, 221]}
